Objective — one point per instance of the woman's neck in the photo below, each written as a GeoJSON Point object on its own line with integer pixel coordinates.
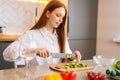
{"type": "Point", "coordinates": [49, 28]}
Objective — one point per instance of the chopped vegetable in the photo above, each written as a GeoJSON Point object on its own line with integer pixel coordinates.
{"type": "Point", "coordinates": [75, 65]}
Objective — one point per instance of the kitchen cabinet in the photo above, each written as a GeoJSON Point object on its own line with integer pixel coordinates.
{"type": "Point", "coordinates": [4, 64]}
{"type": "Point", "coordinates": [82, 26]}
{"type": "Point", "coordinates": [6, 40]}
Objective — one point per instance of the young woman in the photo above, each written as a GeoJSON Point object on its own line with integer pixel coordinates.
{"type": "Point", "coordinates": [49, 35]}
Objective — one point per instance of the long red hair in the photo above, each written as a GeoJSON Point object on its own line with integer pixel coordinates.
{"type": "Point", "coordinates": [51, 6]}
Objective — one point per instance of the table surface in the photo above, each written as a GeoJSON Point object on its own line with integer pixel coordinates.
{"type": "Point", "coordinates": [37, 72]}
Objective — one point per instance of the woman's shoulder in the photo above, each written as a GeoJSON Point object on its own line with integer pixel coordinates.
{"type": "Point", "coordinates": [31, 31]}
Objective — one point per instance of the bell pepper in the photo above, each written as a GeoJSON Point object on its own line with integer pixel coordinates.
{"type": "Point", "coordinates": [72, 75]}
{"type": "Point", "coordinates": [48, 77]}
{"type": "Point", "coordinates": [54, 76]}
{"type": "Point", "coordinates": [57, 76]}
{"type": "Point", "coordinates": [64, 75]}
{"type": "Point", "coordinates": [69, 75]}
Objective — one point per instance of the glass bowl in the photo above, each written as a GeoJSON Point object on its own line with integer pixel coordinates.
{"type": "Point", "coordinates": [103, 61]}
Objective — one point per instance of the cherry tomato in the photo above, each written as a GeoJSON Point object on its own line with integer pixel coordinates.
{"type": "Point", "coordinates": [103, 77]}
{"type": "Point", "coordinates": [96, 76]}
{"type": "Point", "coordinates": [91, 75]}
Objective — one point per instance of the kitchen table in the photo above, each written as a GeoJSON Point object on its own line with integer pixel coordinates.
{"type": "Point", "coordinates": [38, 72]}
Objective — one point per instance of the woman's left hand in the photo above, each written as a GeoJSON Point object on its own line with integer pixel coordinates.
{"type": "Point", "coordinates": [77, 55]}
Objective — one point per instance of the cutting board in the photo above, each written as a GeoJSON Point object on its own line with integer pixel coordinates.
{"type": "Point", "coordinates": [61, 67]}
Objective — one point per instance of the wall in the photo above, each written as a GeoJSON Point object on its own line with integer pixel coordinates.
{"type": "Point", "coordinates": [19, 16]}
{"type": "Point", "coordinates": [108, 26]}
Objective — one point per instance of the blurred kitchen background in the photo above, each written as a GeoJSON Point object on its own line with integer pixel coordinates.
{"type": "Point", "coordinates": [92, 24]}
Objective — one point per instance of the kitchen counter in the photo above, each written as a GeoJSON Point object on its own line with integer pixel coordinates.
{"type": "Point", "coordinates": [38, 72]}
{"type": "Point", "coordinates": [9, 37]}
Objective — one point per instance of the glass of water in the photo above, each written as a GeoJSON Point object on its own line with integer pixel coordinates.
{"type": "Point", "coordinates": [28, 46]}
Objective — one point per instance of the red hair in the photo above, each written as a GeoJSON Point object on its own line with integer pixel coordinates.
{"type": "Point", "coordinates": [51, 6]}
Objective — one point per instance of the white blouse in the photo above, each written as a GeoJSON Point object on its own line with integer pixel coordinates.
{"type": "Point", "coordinates": [43, 39]}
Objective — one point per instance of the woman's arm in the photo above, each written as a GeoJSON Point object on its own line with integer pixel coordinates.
{"type": "Point", "coordinates": [12, 51]}
{"type": "Point", "coordinates": [77, 53]}
{"type": "Point", "coordinates": [68, 50]}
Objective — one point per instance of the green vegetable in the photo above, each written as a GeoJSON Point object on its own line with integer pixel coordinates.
{"type": "Point", "coordinates": [114, 65]}
{"type": "Point", "coordinates": [113, 73]}
{"type": "Point", "coordinates": [118, 65]}
{"type": "Point", "coordinates": [75, 65]}
{"type": "Point", "coordinates": [68, 56]}
{"type": "Point", "coordinates": [108, 71]}
{"type": "Point", "coordinates": [117, 72]}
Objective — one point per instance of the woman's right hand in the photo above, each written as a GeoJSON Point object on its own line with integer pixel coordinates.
{"type": "Point", "coordinates": [42, 52]}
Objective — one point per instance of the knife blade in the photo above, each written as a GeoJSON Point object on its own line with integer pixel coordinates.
{"type": "Point", "coordinates": [63, 55]}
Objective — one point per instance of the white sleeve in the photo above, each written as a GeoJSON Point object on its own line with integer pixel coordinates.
{"type": "Point", "coordinates": [13, 50]}
{"type": "Point", "coordinates": [68, 50]}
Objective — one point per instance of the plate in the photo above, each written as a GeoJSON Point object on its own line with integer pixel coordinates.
{"type": "Point", "coordinates": [61, 67]}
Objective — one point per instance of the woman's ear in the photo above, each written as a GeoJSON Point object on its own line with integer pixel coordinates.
{"type": "Point", "coordinates": [47, 14]}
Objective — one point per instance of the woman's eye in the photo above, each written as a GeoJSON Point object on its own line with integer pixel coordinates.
{"type": "Point", "coordinates": [58, 15]}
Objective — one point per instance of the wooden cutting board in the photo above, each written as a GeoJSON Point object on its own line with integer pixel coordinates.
{"type": "Point", "coordinates": [61, 67]}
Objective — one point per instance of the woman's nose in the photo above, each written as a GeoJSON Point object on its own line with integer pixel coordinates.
{"type": "Point", "coordinates": [60, 20]}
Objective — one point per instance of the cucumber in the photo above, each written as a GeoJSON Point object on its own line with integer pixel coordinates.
{"type": "Point", "coordinates": [117, 72]}
{"type": "Point", "coordinates": [113, 73]}
{"type": "Point", "coordinates": [108, 72]}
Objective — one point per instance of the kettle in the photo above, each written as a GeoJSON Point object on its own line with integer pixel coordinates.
{"type": "Point", "coordinates": [2, 29]}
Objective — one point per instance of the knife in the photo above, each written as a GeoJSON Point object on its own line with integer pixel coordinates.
{"type": "Point", "coordinates": [63, 55]}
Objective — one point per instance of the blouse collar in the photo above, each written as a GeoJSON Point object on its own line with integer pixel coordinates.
{"type": "Point", "coordinates": [45, 31]}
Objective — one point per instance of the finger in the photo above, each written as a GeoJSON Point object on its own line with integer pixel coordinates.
{"type": "Point", "coordinates": [77, 55]}
{"type": "Point", "coordinates": [39, 52]}
{"type": "Point", "coordinates": [45, 53]}
{"type": "Point", "coordinates": [48, 53]}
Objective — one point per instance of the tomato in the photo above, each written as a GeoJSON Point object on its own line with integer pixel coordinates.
{"type": "Point", "coordinates": [72, 75]}
{"type": "Point", "coordinates": [64, 75]}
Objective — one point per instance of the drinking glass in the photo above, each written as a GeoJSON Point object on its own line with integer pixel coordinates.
{"type": "Point", "coordinates": [28, 46]}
